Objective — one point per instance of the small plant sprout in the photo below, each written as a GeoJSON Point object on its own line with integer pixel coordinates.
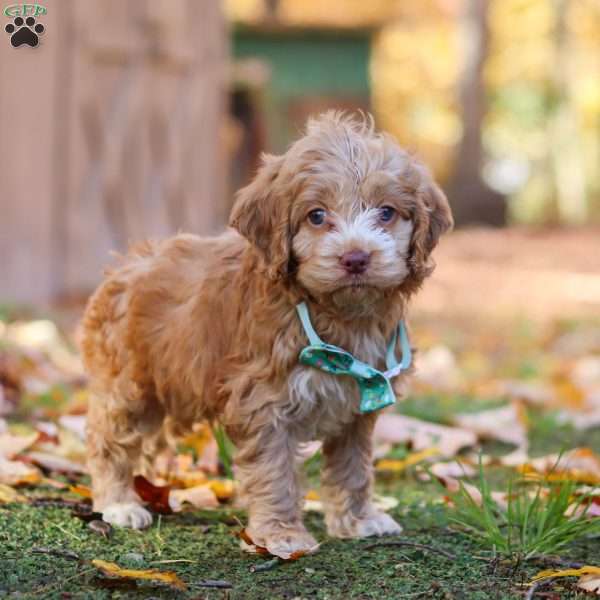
{"type": "Point", "coordinates": [533, 518]}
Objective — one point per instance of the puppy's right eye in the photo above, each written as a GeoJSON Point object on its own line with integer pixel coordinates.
{"type": "Point", "coordinates": [317, 216]}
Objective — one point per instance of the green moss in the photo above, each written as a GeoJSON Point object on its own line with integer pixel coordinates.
{"type": "Point", "coordinates": [340, 570]}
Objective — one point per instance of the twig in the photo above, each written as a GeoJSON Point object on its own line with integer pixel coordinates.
{"type": "Point", "coordinates": [53, 552]}
{"type": "Point", "coordinates": [215, 583]}
{"type": "Point", "coordinates": [266, 566]}
{"type": "Point", "coordinates": [559, 562]}
{"type": "Point", "coordinates": [59, 584]}
{"type": "Point", "coordinates": [536, 586]}
{"type": "Point", "coordinates": [413, 545]}
{"type": "Point", "coordinates": [173, 560]}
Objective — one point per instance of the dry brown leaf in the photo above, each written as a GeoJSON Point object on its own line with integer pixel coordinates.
{"type": "Point", "coordinates": [11, 444]}
{"type": "Point", "coordinates": [454, 485]}
{"type": "Point", "coordinates": [55, 463]}
{"type": "Point", "coordinates": [13, 472]}
{"type": "Point", "coordinates": [579, 464]}
{"type": "Point", "coordinates": [399, 429]}
{"type": "Point", "coordinates": [506, 424]}
{"type": "Point", "coordinates": [113, 570]}
{"type": "Point", "coordinates": [249, 546]}
{"type": "Point", "coordinates": [535, 393]}
{"type": "Point", "coordinates": [581, 419]}
{"type": "Point", "coordinates": [454, 469]}
{"type": "Point", "coordinates": [313, 502]}
{"type": "Point", "coordinates": [200, 496]}
{"type": "Point", "coordinates": [9, 494]}
{"type": "Point", "coordinates": [157, 497]}
{"type": "Point", "coordinates": [590, 583]}
{"type": "Point", "coordinates": [437, 367]}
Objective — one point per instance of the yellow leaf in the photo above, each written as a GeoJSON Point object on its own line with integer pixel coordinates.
{"type": "Point", "coordinates": [397, 466]}
{"type": "Point", "coordinates": [586, 570]}
{"type": "Point", "coordinates": [81, 490]}
{"type": "Point", "coordinates": [113, 570]}
{"type": "Point", "coordinates": [223, 488]}
{"type": "Point", "coordinates": [8, 494]}
{"type": "Point", "coordinates": [312, 495]}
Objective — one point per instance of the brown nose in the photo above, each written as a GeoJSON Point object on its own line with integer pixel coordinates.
{"type": "Point", "coordinates": [355, 261]}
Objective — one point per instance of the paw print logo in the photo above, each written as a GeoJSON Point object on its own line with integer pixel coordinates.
{"type": "Point", "coordinates": [24, 31]}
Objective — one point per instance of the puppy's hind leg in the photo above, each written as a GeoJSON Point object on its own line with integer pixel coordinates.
{"type": "Point", "coordinates": [114, 439]}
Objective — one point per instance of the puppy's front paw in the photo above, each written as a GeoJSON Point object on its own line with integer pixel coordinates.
{"type": "Point", "coordinates": [282, 541]}
{"type": "Point", "coordinates": [348, 526]}
{"type": "Point", "coordinates": [127, 514]}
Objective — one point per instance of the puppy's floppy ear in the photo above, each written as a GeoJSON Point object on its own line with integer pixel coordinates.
{"type": "Point", "coordinates": [433, 218]}
{"type": "Point", "coordinates": [440, 215]}
{"type": "Point", "coordinates": [261, 215]}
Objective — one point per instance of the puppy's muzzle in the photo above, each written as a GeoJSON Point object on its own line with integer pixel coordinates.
{"type": "Point", "coordinates": [355, 262]}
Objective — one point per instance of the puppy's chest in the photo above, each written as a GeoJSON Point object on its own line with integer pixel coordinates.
{"type": "Point", "coordinates": [321, 403]}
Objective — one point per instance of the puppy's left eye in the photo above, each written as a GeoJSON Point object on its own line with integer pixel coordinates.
{"type": "Point", "coordinates": [317, 216]}
{"type": "Point", "coordinates": [386, 213]}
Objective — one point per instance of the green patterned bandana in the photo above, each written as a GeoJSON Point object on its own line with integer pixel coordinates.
{"type": "Point", "coordinates": [375, 388]}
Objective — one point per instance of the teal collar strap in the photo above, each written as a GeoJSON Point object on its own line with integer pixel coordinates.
{"type": "Point", "coordinates": [374, 385]}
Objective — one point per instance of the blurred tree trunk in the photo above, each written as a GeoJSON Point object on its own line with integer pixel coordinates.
{"type": "Point", "coordinates": [564, 139]}
{"type": "Point", "coordinates": [472, 200]}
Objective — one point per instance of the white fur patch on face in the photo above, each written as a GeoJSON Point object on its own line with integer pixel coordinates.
{"type": "Point", "coordinates": [319, 253]}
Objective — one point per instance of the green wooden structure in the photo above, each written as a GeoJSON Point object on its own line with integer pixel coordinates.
{"type": "Point", "coordinates": [311, 70]}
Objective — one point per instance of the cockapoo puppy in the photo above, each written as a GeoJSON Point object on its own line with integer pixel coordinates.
{"type": "Point", "coordinates": [192, 328]}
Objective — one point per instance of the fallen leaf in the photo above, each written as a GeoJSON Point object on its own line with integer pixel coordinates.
{"type": "Point", "coordinates": [11, 445]}
{"type": "Point", "coordinates": [454, 486]}
{"type": "Point", "coordinates": [531, 392]}
{"type": "Point", "coordinates": [55, 463]}
{"type": "Point", "coordinates": [581, 420]}
{"type": "Point", "coordinates": [157, 497]}
{"type": "Point", "coordinates": [249, 546]}
{"type": "Point", "coordinates": [453, 469]}
{"type": "Point", "coordinates": [438, 368]}
{"type": "Point", "coordinates": [590, 583]}
{"type": "Point", "coordinates": [113, 570]}
{"type": "Point", "coordinates": [580, 464]}
{"type": "Point", "coordinates": [224, 489]}
{"type": "Point", "coordinates": [74, 423]}
{"type": "Point", "coordinates": [13, 472]}
{"type": "Point", "coordinates": [586, 570]}
{"type": "Point", "coordinates": [81, 490]}
{"type": "Point", "coordinates": [399, 429]}
{"type": "Point", "coordinates": [391, 465]}
{"type": "Point", "coordinates": [506, 424]}
{"type": "Point", "coordinates": [312, 502]}
{"type": "Point", "coordinates": [201, 496]}
{"type": "Point", "coordinates": [8, 494]}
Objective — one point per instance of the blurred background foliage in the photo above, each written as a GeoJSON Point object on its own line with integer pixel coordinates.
{"type": "Point", "coordinates": [500, 97]}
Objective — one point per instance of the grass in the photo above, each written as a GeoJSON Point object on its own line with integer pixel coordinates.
{"type": "Point", "coordinates": [206, 541]}
{"type": "Point", "coordinates": [532, 522]}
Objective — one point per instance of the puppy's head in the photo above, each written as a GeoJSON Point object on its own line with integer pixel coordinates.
{"type": "Point", "coordinates": [345, 213]}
